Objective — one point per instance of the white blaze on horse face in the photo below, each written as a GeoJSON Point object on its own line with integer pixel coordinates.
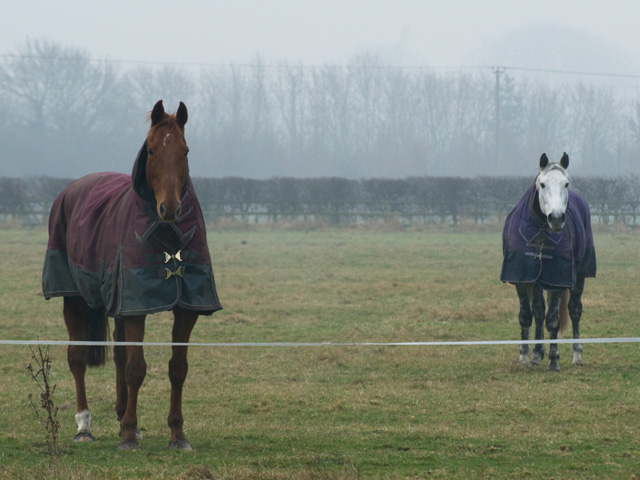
{"type": "Point", "coordinates": [164, 141]}
{"type": "Point", "coordinates": [553, 195]}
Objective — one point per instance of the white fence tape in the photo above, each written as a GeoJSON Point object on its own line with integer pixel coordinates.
{"type": "Point", "coordinates": [324, 344]}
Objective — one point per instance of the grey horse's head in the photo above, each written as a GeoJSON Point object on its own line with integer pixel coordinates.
{"type": "Point", "coordinates": [552, 184]}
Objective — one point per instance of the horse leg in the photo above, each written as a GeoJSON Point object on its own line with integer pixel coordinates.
{"type": "Point", "coordinates": [525, 317]}
{"type": "Point", "coordinates": [575, 312]}
{"type": "Point", "coordinates": [553, 325]}
{"type": "Point", "coordinates": [184, 321]}
{"type": "Point", "coordinates": [120, 359]}
{"type": "Point", "coordinates": [133, 372]}
{"type": "Point", "coordinates": [75, 312]}
{"type": "Point", "coordinates": [538, 307]}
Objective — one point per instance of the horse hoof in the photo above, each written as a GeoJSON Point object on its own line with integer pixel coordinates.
{"type": "Point", "coordinates": [537, 360]}
{"type": "Point", "coordinates": [577, 360]}
{"type": "Point", "coordinates": [129, 446]}
{"type": "Point", "coordinates": [524, 360]}
{"type": "Point", "coordinates": [181, 445]}
{"type": "Point", "coordinates": [554, 367]}
{"type": "Point", "coordinates": [84, 437]}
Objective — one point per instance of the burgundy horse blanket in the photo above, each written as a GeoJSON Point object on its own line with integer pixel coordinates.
{"type": "Point", "coordinates": [107, 245]}
{"type": "Point", "coordinates": [532, 252]}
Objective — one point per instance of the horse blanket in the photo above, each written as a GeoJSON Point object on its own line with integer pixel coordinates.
{"type": "Point", "coordinates": [107, 245]}
{"type": "Point", "coordinates": [532, 252]}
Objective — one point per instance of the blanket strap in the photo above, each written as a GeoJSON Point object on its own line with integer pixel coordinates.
{"type": "Point", "coordinates": [539, 247]}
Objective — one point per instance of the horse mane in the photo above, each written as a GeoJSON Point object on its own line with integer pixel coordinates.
{"type": "Point", "coordinates": [536, 206]}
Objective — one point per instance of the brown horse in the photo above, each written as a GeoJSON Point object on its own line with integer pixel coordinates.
{"type": "Point", "coordinates": [125, 246]}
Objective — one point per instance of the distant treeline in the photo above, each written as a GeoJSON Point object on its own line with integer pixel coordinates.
{"type": "Point", "coordinates": [333, 200]}
{"type": "Point", "coordinates": [64, 114]}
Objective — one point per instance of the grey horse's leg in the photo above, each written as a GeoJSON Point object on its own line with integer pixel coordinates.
{"type": "Point", "coordinates": [575, 312]}
{"type": "Point", "coordinates": [553, 325]}
{"type": "Point", "coordinates": [538, 307]}
{"type": "Point", "coordinates": [525, 317]}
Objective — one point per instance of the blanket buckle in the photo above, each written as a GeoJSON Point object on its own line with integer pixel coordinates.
{"type": "Point", "coordinates": [178, 273]}
{"type": "Point", "coordinates": [177, 256]}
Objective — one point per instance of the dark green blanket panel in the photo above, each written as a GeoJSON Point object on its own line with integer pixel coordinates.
{"type": "Point", "coordinates": [144, 291]}
{"type": "Point", "coordinates": [56, 275]}
{"type": "Point", "coordinates": [141, 290]}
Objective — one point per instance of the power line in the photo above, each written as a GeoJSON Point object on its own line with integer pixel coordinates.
{"type": "Point", "coordinates": [574, 72]}
{"type": "Point", "coordinates": [286, 65]}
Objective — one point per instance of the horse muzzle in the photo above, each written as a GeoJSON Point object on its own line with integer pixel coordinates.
{"type": "Point", "coordinates": [169, 212]}
{"type": "Point", "coordinates": [556, 221]}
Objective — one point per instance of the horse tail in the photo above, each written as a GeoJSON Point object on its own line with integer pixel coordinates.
{"type": "Point", "coordinates": [97, 331]}
{"type": "Point", "coordinates": [564, 310]}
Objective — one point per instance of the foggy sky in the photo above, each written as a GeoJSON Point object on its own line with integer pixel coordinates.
{"type": "Point", "coordinates": [529, 37]}
{"type": "Point", "coordinates": [409, 32]}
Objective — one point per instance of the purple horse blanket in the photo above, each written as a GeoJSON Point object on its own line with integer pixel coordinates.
{"type": "Point", "coordinates": [107, 245]}
{"type": "Point", "coordinates": [532, 252]}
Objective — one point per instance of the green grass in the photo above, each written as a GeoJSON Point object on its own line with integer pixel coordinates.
{"type": "Point", "coordinates": [345, 412]}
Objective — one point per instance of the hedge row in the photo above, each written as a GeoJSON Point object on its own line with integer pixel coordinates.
{"type": "Point", "coordinates": [337, 200]}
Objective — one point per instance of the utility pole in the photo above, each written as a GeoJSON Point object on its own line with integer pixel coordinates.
{"type": "Point", "coordinates": [498, 71]}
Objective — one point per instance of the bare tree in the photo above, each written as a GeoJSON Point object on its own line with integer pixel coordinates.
{"type": "Point", "coordinates": [148, 85]}
{"type": "Point", "coordinates": [596, 115]}
{"type": "Point", "coordinates": [547, 120]}
{"type": "Point", "coordinates": [331, 104]}
{"type": "Point", "coordinates": [57, 88]}
{"type": "Point", "coordinates": [290, 93]}
{"type": "Point", "coordinates": [398, 130]}
{"type": "Point", "coordinates": [61, 100]}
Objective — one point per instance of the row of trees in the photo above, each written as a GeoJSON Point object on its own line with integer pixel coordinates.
{"type": "Point", "coordinates": [337, 200]}
{"type": "Point", "coordinates": [64, 114]}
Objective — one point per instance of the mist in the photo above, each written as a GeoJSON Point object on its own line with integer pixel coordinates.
{"type": "Point", "coordinates": [64, 114]}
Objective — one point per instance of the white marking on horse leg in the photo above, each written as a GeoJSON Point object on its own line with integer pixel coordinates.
{"type": "Point", "coordinates": [83, 420]}
{"type": "Point", "coordinates": [577, 354]}
{"type": "Point", "coordinates": [524, 359]}
{"type": "Point", "coordinates": [577, 358]}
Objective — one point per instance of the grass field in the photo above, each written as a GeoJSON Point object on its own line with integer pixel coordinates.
{"type": "Point", "coordinates": [333, 412]}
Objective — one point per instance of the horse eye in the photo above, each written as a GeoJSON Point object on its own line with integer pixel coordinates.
{"type": "Point", "coordinates": [149, 151]}
{"type": "Point", "coordinates": [187, 152]}
{"type": "Point", "coordinates": [566, 185]}
{"type": "Point", "coordinates": [542, 185]}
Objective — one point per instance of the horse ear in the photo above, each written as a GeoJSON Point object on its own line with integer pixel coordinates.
{"type": "Point", "coordinates": [544, 161]}
{"type": "Point", "coordinates": [157, 114]}
{"type": "Point", "coordinates": [182, 115]}
{"type": "Point", "coordinates": [564, 161]}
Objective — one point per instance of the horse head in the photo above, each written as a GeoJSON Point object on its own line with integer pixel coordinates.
{"type": "Point", "coordinates": [167, 167]}
{"type": "Point", "coordinates": [552, 185]}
